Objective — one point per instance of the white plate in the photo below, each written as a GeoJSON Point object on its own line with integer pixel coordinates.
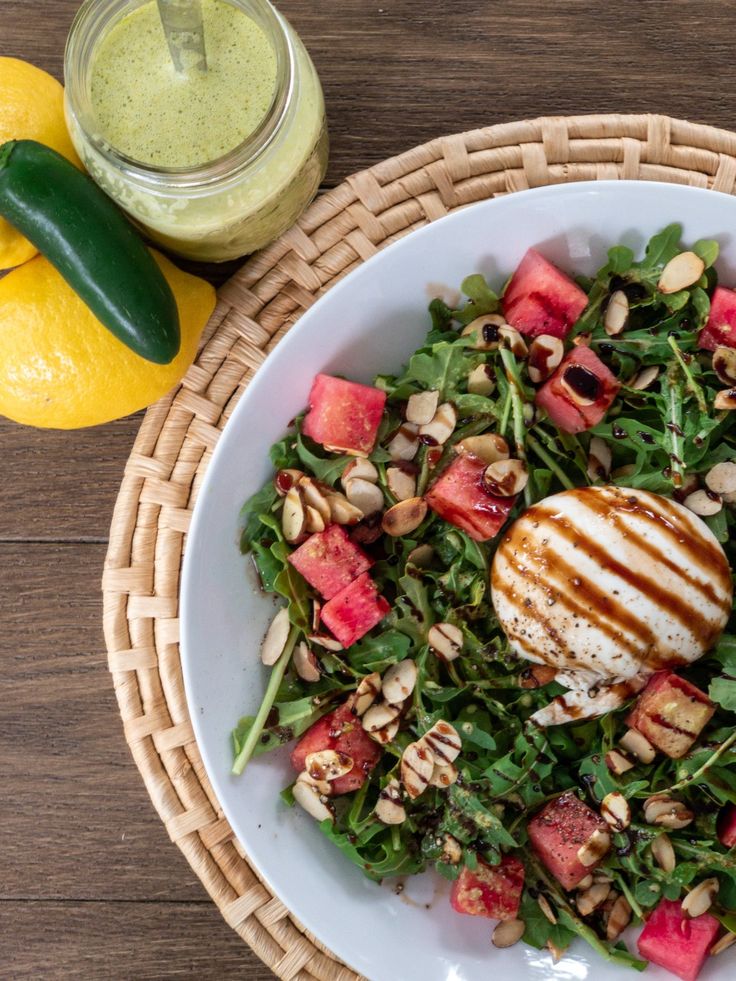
{"type": "Point", "coordinates": [370, 323]}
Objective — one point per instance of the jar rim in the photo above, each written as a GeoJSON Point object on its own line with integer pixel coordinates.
{"type": "Point", "coordinates": [92, 18]}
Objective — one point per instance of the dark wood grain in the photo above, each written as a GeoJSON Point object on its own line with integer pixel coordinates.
{"type": "Point", "coordinates": [90, 885]}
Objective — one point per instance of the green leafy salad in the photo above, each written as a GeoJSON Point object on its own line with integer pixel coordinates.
{"type": "Point", "coordinates": [506, 648]}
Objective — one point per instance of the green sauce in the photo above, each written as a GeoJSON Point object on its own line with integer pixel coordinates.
{"type": "Point", "coordinates": [148, 112]}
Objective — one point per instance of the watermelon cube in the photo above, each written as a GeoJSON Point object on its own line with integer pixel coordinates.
{"type": "Point", "coordinates": [579, 393]}
{"type": "Point", "coordinates": [355, 610]}
{"type": "Point", "coordinates": [490, 890]}
{"type": "Point", "coordinates": [720, 329]}
{"type": "Point", "coordinates": [676, 942]}
{"type": "Point", "coordinates": [727, 826]}
{"type": "Point", "coordinates": [671, 713]}
{"type": "Point", "coordinates": [344, 416]}
{"type": "Point", "coordinates": [459, 496]}
{"type": "Point", "coordinates": [329, 560]}
{"type": "Point", "coordinates": [540, 299]}
{"type": "Point", "coordinates": [339, 730]}
{"type": "Point", "coordinates": [559, 831]}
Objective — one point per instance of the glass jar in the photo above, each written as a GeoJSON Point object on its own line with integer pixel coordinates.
{"type": "Point", "coordinates": [229, 206]}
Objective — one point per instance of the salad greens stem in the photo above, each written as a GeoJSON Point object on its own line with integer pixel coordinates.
{"type": "Point", "coordinates": [630, 898]}
{"type": "Point", "coordinates": [674, 430]}
{"type": "Point", "coordinates": [274, 681]}
{"type": "Point", "coordinates": [549, 462]}
{"type": "Point", "coordinates": [692, 385]}
{"type": "Point", "coordinates": [504, 421]}
{"type": "Point", "coordinates": [696, 774]}
{"type": "Point", "coordinates": [517, 405]}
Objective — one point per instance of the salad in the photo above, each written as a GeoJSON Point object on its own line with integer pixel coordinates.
{"type": "Point", "coordinates": [507, 648]}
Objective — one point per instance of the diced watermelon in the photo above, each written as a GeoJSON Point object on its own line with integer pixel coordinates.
{"type": "Point", "coordinates": [344, 416]}
{"type": "Point", "coordinates": [558, 832]}
{"type": "Point", "coordinates": [540, 299]}
{"type": "Point", "coordinates": [727, 826]}
{"type": "Point", "coordinates": [330, 561]}
{"type": "Point", "coordinates": [720, 329]}
{"type": "Point", "coordinates": [491, 890]}
{"type": "Point", "coordinates": [671, 713]}
{"type": "Point", "coordinates": [460, 497]}
{"type": "Point", "coordinates": [355, 610]}
{"type": "Point", "coordinates": [580, 368]}
{"type": "Point", "coordinates": [676, 942]}
{"type": "Point", "coordinates": [339, 730]}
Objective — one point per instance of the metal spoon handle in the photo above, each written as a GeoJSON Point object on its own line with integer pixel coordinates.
{"type": "Point", "coordinates": [182, 23]}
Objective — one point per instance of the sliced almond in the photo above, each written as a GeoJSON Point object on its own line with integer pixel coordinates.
{"type": "Point", "coordinates": [505, 478]}
{"type": "Point", "coordinates": [617, 313]}
{"type": "Point", "coordinates": [316, 610]}
{"type": "Point", "coordinates": [700, 899]}
{"type": "Point", "coordinates": [725, 401]}
{"type": "Point", "coordinates": [313, 497]}
{"type": "Point", "coordinates": [390, 808]}
{"type": "Point", "coordinates": [585, 883]}
{"type": "Point", "coordinates": [402, 485]}
{"type": "Point", "coordinates": [619, 918]}
{"type": "Point", "coordinates": [555, 950]}
{"type": "Point", "coordinates": [365, 496]}
{"type": "Point", "coordinates": [452, 851]}
{"type": "Point", "coordinates": [421, 407]}
{"type": "Point", "coordinates": [721, 479]}
{"type": "Point", "coordinates": [666, 812]}
{"type": "Point", "coordinates": [724, 365]}
{"type": "Point", "coordinates": [726, 941]}
{"type": "Point", "coordinates": [404, 517]}
{"type": "Point", "coordinates": [405, 443]}
{"type": "Point", "coordinates": [421, 556]}
{"type": "Point", "coordinates": [703, 503]}
{"type": "Point", "coordinates": [446, 640]}
{"type": "Point", "coordinates": [634, 742]}
{"type": "Point", "coordinates": [444, 742]}
{"type": "Point", "coordinates": [589, 900]}
{"type": "Point", "coordinates": [379, 716]}
{"type": "Point", "coordinates": [321, 786]}
{"type": "Point", "coordinates": [359, 468]}
{"type": "Point", "coordinates": [664, 854]}
{"type": "Point", "coordinates": [486, 330]}
{"type": "Point", "coordinates": [312, 801]}
{"type": "Point", "coordinates": [342, 511]}
{"type": "Point", "coordinates": [644, 379]}
{"type": "Point", "coordinates": [599, 459]}
{"type": "Point", "coordinates": [328, 764]}
{"type": "Point", "coordinates": [511, 338]}
{"type": "Point", "coordinates": [545, 354]}
{"type": "Point", "coordinates": [617, 762]}
{"type": "Point", "coordinates": [441, 426]}
{"type": "Point", "coordinates": [416, 768]}
{"type": "Point", "coordinates": [366, 693]}
{"type": "Point", "coordinates": [444, 776]}
{"type": "Point", "coordinates": [324, 640]}
{"type": "Point", "coordinates": [679, 273]}
{"type": "Point", "coordinates": [306, 663]}
{"type": "Point", "coordinates": [507, 933]}
{"type": "Point", "coordinates": [546, 908]}
{"type": "Point", "coordinates": [276, 636]}
{"type": "Point", "coordinates": [293, 517]}
{"type": "Point", "coordinates": [615, 811]}
{"type": "Point", "coordinates": [580, 394]}
{"type": "Point", "coordinates": [488, 447]}
{"type": "Point", "coordinates": [399, 681]}
{"type": "Point", "coordinates": [481, 381]}
{"type": "Point", "coordinates": [594, 849]}
{"type": "Point", "coordinates": [285, 480]}
{"type": "Point", "coordinates": [315, 521]}
{"type": "Point", "coordinates": [387, 734]}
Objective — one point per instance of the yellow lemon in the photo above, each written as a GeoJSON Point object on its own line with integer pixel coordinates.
{"type": "Point", "coordinates": [61, 369]}
{"type": "Point", "coordinates": [31, 108]}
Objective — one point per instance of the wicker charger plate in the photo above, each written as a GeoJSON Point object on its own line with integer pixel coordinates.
{"type": "Point", "coordinates": [256, 308]}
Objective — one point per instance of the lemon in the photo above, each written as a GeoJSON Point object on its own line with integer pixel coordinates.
{"type": "Point", "coordinates": [61, 369]}
{"type": "Point", "coordinates": [31, 108]}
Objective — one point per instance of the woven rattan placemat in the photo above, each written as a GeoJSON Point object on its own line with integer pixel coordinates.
{"type": "Point", "coordinates": [256, 308]}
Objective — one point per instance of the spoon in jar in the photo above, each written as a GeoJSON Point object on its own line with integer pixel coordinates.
{"type": "Point", "coordinates": [182, 24]}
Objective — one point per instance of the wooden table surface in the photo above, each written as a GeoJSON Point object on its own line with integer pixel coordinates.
{"type": "Point", "coordinates": [90, 886]}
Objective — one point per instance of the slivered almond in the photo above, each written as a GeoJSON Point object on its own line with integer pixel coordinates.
{"type": "Point", "coordinates": [700, 899]}
{"type": "Point", "coordinates": [726, 941]}
{"type": "Point", "coordinates": [404, 517]}
{"type": "Point", "coordinates": [724, 365]}
{"type": "Point", "coordinates": [446, 640]}
{"type": "Point", "coordinates": [421, 407]}
{"type": "Point", "coordinates": [576, 397]}
{"type": "Point", "coordinates": [679, 273]}
{"type": "Point", "coordinates": [315, 521]}
{"type": "Point", "coordinates": [663, 853]}
{"type": "Point", "coordinates": [644, 379]}
{"type": "Point", "coordinates": [285, 480]}
{"type": "Point", "coordinates": [618, 919]}
{"type": "Point", "coordinates": [442, 425]}
{"type": "Point", "coordinates": [359, 468]}
{"type": "Point", "coordinates": [555, 950]}
{"type": "Point", "coordinates": [452, 851]}
{"type": "Point", "coordinates": [634, 742]}
{"type": "Point", "coordinates": [615, 811]}
{"type": "Point", "coordinates": [321, 786]}
{"type": "Point", "coordinates": [399, 680]}
{"type": "Point", "coordinates": [488, 447]}
{"type": "Point", "coordinates": [481, 381]}
{"type": "Point", "coordinates": [276, 636]}
{"type": "Point", "coordinates": [316, 609]}
{"type": "Point", "coordinates": [390, 808]}
{"type": "Point", "coordinates": [306, 663]}
{"type": "Point", "coordinates": [421, 556]}
{"type": "Point", "coordinates": [594, 849]}
{"type": "Point", "coordinates": [312, 801]}
{"type": "Point", "coordinates": [703, 503]}
{"type": "Point", "coordinates": [545, 354]}
{"type": "Point", "coordinates": [379, 716]}
{"type": "Point", "coordinates": [387, 734]}
{"type": "Point", "coordinates": [546, 908]}
{"type": "Point", "coordinates": [402, 485]}
{"type": "Point", "coordinates": [293, 516]}
{"type": "Point", "coordinates": [328, 764]}
{"type": "Point", "coordinates": [505, 478]}
{"type": "Point", "coordinates": [365, 496]}
{"type": "Point", "coordinates": [599, 459]}
{"type": "Point", "coordinates": [667, 812]}
{"type": "Point", "coordinates": [444, 742]}
{"type": "Point", "coordinates": [444, 776]}
{"type": "Point", "coordinates": [405, 442]}
{"type": "Point", "coordinates": [617, 762]}
{"type": "Point", "coordinates": [617, 313]}
{"type": "Point", "coordinates": [721, 479]}
{"type": "Point", "coordinates": [585, 883]}
{"type": "Point", "coordinates": [725, 401]}
{"type": "Point", "coordinates": [366, 693]}
{"type": "Point", "coordinates": [342, 512]}
{"type": "Point", "coordinates": [416, 769]}
{"type": "Point", "coordinates": [313, 497]}
{"type": "Point", "coordinates": [589, 901]}
{"type": "Point", "coordinates": [507, 933]}
{"type": "Point", "coordinates": [324, 640]}
{"type": "Point", "coordinates": [511, 338]}
{"type": "Point", "coordinates": [486, 330]}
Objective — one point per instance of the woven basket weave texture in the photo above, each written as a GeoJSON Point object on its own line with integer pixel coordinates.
{"type": "Point", "coordinates": [256, 308]}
